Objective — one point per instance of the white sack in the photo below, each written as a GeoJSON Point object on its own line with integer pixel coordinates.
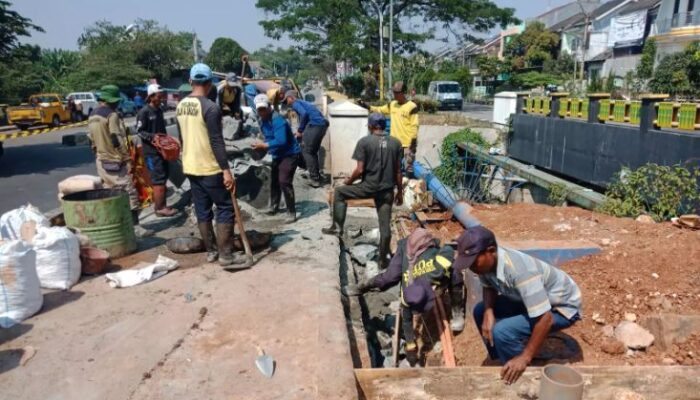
{"type": "Point", "coordinates": [11, 221]}
{"type": "Point", "coordinates": [78, 183]}
{"type": "Point", "coordinates": [57, 257]}
{"type": "Point", "coordinates": [133, 277]}
{"type": "Point", "coordinates": [19, 285]}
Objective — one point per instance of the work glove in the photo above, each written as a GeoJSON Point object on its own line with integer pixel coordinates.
{"type": "Point", "coordinates": [411, 350]}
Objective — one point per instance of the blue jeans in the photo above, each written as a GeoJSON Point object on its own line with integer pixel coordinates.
{"type": "Point", "coordinates": [513, 327]}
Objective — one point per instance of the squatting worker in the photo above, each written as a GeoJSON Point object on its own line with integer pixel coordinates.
{"type": "Point", "coordinates": [205, 164]}
{"type": "Point", "coordinates": [229, 96]}
{"type": "Point", "coordinates": [524, 299]}
{"type": "Point", "coordinates": [312, 128]}
{"type": "Point", "coordinates": [149, 123]}
{"type": "Point", "coordinates": [109, 142]}
{"type": "Point", "coordinates": [378, 159]}
{"type": "Point", "coordinates": [404, 123]}
{"type": "Point", "coordinates": [418, 265]}
{"type": "Point", "coordinates": [284, 149]}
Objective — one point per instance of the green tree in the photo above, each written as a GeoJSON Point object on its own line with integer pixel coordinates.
{"type": "Point", "coordinates": [225, 55]}
{"type": "Point", "coordinates": [348, 30]}
{"type": "Point", "coordinates": [533, 79]}
{"type": "Point", "coordinates": [671, 75]}
{"type": "Point", "coordinates": [610, 82]}
{"type": "Point", "coordinates": [56, 66]}
{"type": "Point", "coordinates": [489, 66]}
{"type": "Point", "coordinates": [561, 66]}
{"type": "Point", "coordinates": [290, 62]}
{"type": "Point", "coordinates": [531, 48]}
{"type": "Point", "coordinates": [20, 74]}
{"type": "Point", "coordinates": [645, 69]}
{"type": "Point", "coordinates": [12, 26]}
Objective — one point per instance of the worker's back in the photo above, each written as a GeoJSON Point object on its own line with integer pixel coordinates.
{"type": "Point", "coordinates": [381, 155]}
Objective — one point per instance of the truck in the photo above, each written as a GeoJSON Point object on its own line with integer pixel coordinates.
{"type": "Point", "coordinates": [85, 102]}
{"type": "Point", "coordinates": [42, 109]}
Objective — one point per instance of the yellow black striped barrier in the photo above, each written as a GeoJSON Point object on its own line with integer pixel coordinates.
{"type": "Point", "coordinates": [34, 132]}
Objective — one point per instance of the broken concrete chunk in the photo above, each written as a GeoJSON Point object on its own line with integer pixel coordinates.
{"type": "Point", "coordinates": [608, 331]}
{"type": "Point", "coordinates": [371, 269]}
{"type": "Point", "coordinates": [633, 336]}
{"type": "Point", "coordinates": [613, 347]}
{"type": "Point", "coordinates": [363, 253]}
{"type": "Point", "coordinates": [631, 317]}
{"type": "Point", "coordinates": [562, 227]}
{"type": "Point", "coordinates": [598, 318]}
{"type": "Point", "coordinates": [669, 328]}
{"type": "Point", "coordinates": [645, 219]}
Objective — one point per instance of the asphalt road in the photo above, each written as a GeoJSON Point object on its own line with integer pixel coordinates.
{"type": "Point", "coordinates": [478, 111]}
{"type": "Point", "coordinates": [31, 168]}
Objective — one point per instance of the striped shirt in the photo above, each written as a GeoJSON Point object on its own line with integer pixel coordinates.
{"type": "Point", "coordinates": [538, 285]}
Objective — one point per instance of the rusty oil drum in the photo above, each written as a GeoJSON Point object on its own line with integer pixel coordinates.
{"type": "Point", "coordinates": [104, 216]}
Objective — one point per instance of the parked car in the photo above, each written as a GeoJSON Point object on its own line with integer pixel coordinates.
{"type": "Point", "coordinates": [85, 102]}
{"type": "Point", "coordinates": [126, 106]}
{"type": "Point", "coordinates": [43, 108]}
{"type": "Point", "coordinates": [448, 94]}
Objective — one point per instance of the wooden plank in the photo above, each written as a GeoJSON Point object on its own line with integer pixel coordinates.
{"type": "Point", "coordinates": [464, 383]}
{"type": "Point", "coordinates": [366, 203]}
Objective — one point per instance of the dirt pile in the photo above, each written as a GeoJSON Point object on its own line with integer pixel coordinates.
{"type": "Point", "coordinates": [644, 269]}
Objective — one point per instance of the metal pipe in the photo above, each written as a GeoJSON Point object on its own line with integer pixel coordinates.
{"type": "Point", "coordinates": [381, 50]}
{"type": "Point", "coordinates": [391, 43]}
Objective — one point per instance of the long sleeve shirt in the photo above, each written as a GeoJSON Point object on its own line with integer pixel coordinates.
{"type": "Point", "coordinates": [279, 138]}
{"type": "Point", "coordinates": [308, 114]}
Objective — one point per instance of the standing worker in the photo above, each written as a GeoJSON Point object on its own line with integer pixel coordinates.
{"type": "Point", "coordinates": [378, 159]}
{"type": "Point", "coordinates": [312, 128]}
{"type": "Point", "coordinates": [110, 144]}
{"type": "Point", "coordinates": [524, 299]}
{"type": "Point", "coordinates": [150, 123]}
{"type": "Point", "coordinates": [284, 148]}
{"type": "Point", "coordinates": [404, 123]}
{"type": "Point", "coordinates": [418, 265]}
{"type": "Point", "coordinates": [205, 164]}
{"type": "Point", "coordinates": [229, 96]}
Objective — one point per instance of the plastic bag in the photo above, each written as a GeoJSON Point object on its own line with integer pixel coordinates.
{"type": "Point", "coordinates": [57, 257]}
{"type": "Point", "coordinates": [21, 295]}
{"type": "Point", "coordinates": [133, 277]}
{"type": "Point", "coordinates": [78, 183]}
{"type": "Point", "coordinates": [11, 221]}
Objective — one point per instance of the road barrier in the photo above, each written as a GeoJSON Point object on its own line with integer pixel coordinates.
{"type": "Point", "coordinates": [34, 132]}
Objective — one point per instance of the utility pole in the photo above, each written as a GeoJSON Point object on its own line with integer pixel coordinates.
{"type": "Point", "coordinates": [585, 40]}
{"type": "Point", "coordinates": [195, 50]}
{"type": "Point", "coordinates": [391, 43]}
{"type": "Point", "coordinates": [381, 50]}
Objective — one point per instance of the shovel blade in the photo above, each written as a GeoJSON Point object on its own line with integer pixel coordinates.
{"type": "Point", "coordinates": [266, 365]}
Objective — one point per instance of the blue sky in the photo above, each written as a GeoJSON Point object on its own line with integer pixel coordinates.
{"type": "Point", "coordinates": [64, 20]}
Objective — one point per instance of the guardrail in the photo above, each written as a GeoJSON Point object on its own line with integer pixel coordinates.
{"type": "Point", "coordinates": [667, 115]}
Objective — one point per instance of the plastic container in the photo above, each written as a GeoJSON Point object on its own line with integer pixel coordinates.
{"type": "Point", "coordinates": [560, 382]}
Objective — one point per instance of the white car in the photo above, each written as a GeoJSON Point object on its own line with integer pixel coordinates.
{"type": "Point", "coordinates": [448, 94]}
{"type": "Point", "coordinates": [84, 101]}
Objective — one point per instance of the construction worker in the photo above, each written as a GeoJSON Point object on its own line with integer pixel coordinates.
{"type": "Point", "coordinates": [110, 144]}
{"type": "Point", "coordinates": [312, 128]}
{"type": "Point", "coordinates": [418, 265]}
{"type": "Point", "coordinates": [378, 159]}
{"type": "Point", "coordinates": [285, 151]}
{"type": "Point", "coordinates": [524, 299]}
{"type": "Point", "coordinates": [229, 96]}
{"type": "Point", "coordinates": [149, 123]}
{"type": "Point", "coordinates": [404, 123]}
{"type": "Point", "coordinates": [205, 164]}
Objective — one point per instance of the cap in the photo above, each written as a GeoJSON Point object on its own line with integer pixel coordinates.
{"type": "Point", "coordinates": [376, 120]}
{"type": "Point", "coordinates": [399, 87]}
{"type": "Point", "coordinates": [154, 88]}
{"type": "Point", "coordinates": [232, 78]}
{"type": "Point", "coordinates": [110, 94]}
{"type": "Point", "coordinates": [261, 101]}
{"type": "Point", "coordinates": [419, 296]}
{"type": "Point", "coordinates": [201, 73]}
{"type": "Point", "coordinates": [291, 93]}
{"type": "Point", "coordinates": [472, 242]}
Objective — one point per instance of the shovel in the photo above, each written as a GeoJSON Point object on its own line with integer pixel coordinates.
{"type": "Point", "coordinates": [265, 363]}
{"type": "Point", "coordinates": [250, 260]}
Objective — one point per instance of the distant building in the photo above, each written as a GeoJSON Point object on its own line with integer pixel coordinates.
{"type": "Point", "coordinates": [565, 11]}
{"type": "Point", "coordinates": [677, 25]}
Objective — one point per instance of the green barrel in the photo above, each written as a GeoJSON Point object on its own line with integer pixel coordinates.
{"type": "Point", "coordinates": [104, 216]}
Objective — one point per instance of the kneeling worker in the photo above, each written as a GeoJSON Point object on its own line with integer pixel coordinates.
{"type": "Point", "coordinates": [524, 299]}
{"type": "Point", "coordinates": [378, 159]}
{"type": "Point", "coordinates": [418, 265]}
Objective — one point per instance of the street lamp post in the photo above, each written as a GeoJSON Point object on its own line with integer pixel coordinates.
{"type": "Point", "coordinates": [391, 42]}
{"type": "Point", "coordinates": [381, 50]}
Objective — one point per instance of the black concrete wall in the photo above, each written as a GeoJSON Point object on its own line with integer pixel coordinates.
{"type": "Point", "coordinates": [594, 153]}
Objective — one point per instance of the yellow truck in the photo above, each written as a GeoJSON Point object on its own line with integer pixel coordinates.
{"type": "Point", "coordinates": [42, 109]}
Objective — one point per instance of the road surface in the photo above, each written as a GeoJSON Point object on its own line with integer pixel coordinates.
{"type": "Point", "coordinates": [31, 167]}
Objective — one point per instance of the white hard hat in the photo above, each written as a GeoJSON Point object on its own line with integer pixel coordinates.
{"type": "Point", "coordinates": [261, 101]}
{"type": "Point", "coordinates": [154, 88]}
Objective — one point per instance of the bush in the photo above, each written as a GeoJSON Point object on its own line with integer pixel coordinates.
{"type": "Point", "coordinates": [450, 162]}
{"type": "Point", "coordinates": [662, 192]}
{"type": "Point", "coordinates": [557, 194]}
{"type": "Point", "coordinates": [426, 104]}
{"type": "Point", "coordinates": [353, 85]}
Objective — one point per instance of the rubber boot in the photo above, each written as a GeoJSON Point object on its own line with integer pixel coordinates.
{"type": "Point", "coordinates": [139, 230]}
{"type": "Point", "coordinates": [159, 194]}
{"type": "Point", "coordinates": [457, 300]}
{"type": "Point", "coordinates": [206, 230]}
{"type": "Point", "coordinates": [224, 238]}
{"type": "Point", "coordinates": [339, 211]}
